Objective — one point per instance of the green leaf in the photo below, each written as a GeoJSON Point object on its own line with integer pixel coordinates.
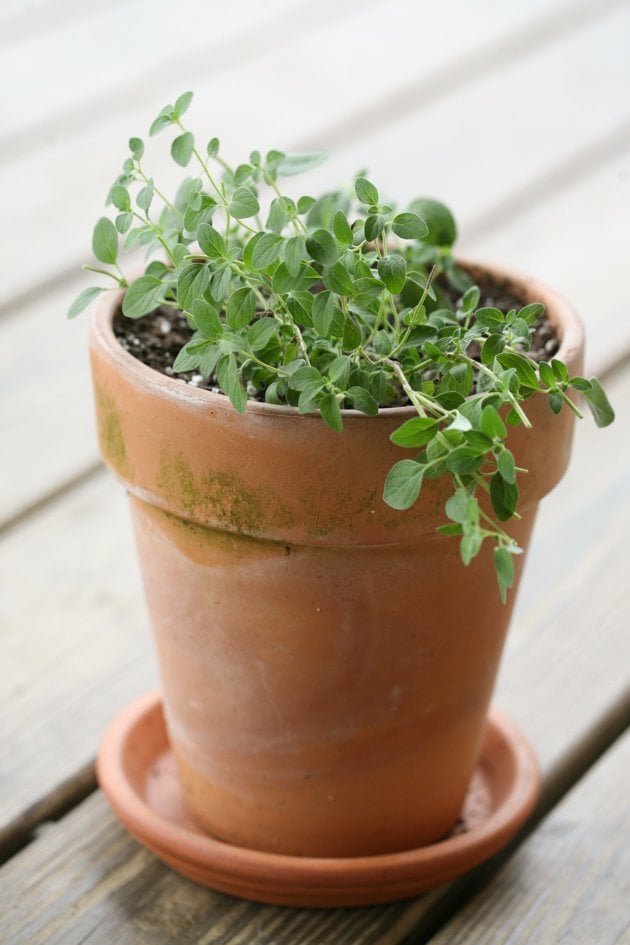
{"type": "Point", "coordinates": [462, 508]}
{"type": "Point", "coordinates": [373, 226]}
{"type": "Point", "coordinates": [339, 371]}
{"type": "Point", "coordinates": [120, 197]}
{"type": "Point", "coordinates": [182, 148]}
{"type": "Point", "coordinates": [192, 282]}
{"type": "Point", "coordinates": [506, 466]}
{"type": "Point", "coordinates": [403, 484]}
{"type": "Point", "coordinates": [331, 414]}
{"type": "Point", "coordinates": [213, 147]}
{"type": "Point", "coordinates": [488, 317]}
{"type": "Point", "coordinates": [163, 120]}
{"type": "Point", "coordinates": [136, 146]}
{"type": "Point", "coordinates": [470, 545]}
{"type": "Point", "coordinates": [598, 403]}
{"type": "Point", "coordinates": [240, 308]}
{"type": "Point", "coordinates": [303, 376]}
{"type": "Point", "coordinates": [492, 347]}
{"type": "Point", "coordinates": [415, 432]}
{"type": "Point", "coordinates": [546, 374]}
{"type": "Point", "coordinates": [293, 164]}
{"type": "Point", "coordinates": [504, 497]}
{"type": "Point", "coordinates": [294, 253]}
{"type": "Point", "coordinates": [323, 311]}
{"type": "Point", "coordinates": [144, 197]}
{"type": "Point", "coordinates": [492, 424]}
{"type": "Point", "coordinates": [105, 241]}
{"type": "Point", "coordinates": [244, 203]}
{"type": "Point", "coordinates": [266, 250]}
{"type": "Point", "coordinates": [310, 397]}
{"type": "Point", "coordinates": [560, 370]}
{"type": "Point", "coordinates": [470, 298]}
{"type": "Point", "coordinates": [524, 369]}
{"type": "Point", "coordinates": [230, 382]}
{"type": "Point", "coordinates": [362, 400]}
{"type": "Point", "coordinates": [366, 192]}
{"type": "Point", "coordinates": [261, 333]}
{"type": "Point", "coordinates": [504, 567]}
{"type": "Point", "coordinates": [323, 247]}
{"type": "Point", "coordinates": [461, 422]}
{"type": "Point", "coordinates": [409, 226]}
{"type": "Point", "coordinates": [182, 103]}
{"type": "Point", "coordinates": [82, 301]}
{"type": "Point", "coordinates": [442, 230]}
{"type": "Point", "coordinates": [342, 229]}
{"type": "Point", "coordinates": [529, 313]}
{"type": "Point", "coordinates": [210, 241]}
{"type": "Point", "coordinates": [206, 319]}
{"type": "Point", "coordinates": [338, 279]}
{"type": "Point", "coordinates": [464, 460]}
{"type": "Point", "coordinates": [123, 222]}
{"type": "Point", "coordinates": [143, 296]}
{"type": "Point", "coordinates": [392, 270]}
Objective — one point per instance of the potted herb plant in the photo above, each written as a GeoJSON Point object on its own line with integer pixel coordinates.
{"type": "Point", "coordinates": [335, 437]}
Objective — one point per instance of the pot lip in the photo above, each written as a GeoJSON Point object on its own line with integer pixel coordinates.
{"type": "Point", "coordinates": [561, 315]}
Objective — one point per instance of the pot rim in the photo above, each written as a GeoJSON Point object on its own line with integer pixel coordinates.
{"type": "Point", "coordinates": [560, 313]}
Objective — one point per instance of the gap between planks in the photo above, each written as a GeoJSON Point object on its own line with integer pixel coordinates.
{"type": "Point", "coordinates": [572, 17]}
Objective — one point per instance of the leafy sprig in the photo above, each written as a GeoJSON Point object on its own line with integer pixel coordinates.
{"type": "Point", "coordinates": [339, 302]}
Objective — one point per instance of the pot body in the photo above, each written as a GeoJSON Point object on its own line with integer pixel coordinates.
{"type": "Point", "coordinates": [327, 662]}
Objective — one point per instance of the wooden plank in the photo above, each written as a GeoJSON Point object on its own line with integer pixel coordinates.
{"type": "Point", "coordinates": [120, 47]}
{"type": "Point", "coordinates": [46, 423]}
{"type": "Point", "coordinates": [94, 653]}
{"type": "Point", "coordinates": [76, 198]}
{"type": "Point", "coordinates": [70, 582]}
{"type": "Point", "coordinates": [557, 240]}
{"type": "Point", "coordinates": [571, 881]}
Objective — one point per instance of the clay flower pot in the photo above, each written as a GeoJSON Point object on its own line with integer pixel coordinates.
{"type": "Point", "coordinates": [327, 662]}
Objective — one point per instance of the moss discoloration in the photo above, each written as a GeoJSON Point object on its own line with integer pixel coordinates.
{"type": "Point", "coordinates": [110, 433]}
{"type": "Point", "coordinates": [218, 496]}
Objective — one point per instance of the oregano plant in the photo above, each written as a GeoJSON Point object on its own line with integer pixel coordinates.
{"type": "Point", "coordinates": [340, 301]}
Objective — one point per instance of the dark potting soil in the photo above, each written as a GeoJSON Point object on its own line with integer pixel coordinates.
{"type": "Point", "coordinates": [157, 339]}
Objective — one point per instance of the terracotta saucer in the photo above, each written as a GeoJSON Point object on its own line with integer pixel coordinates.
{"type": "Point", "coordinates": [137, 773]}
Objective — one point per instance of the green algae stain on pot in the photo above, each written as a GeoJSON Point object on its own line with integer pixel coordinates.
{"type": "Point", "coordinates": [218, 498]}
{"type": "Point", "coordinates": [110, 433]}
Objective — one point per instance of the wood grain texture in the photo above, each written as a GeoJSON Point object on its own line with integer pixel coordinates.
{"type": "Point", "coordinates": [564, 680]}
{"type": "Point", "coordinates": [74, 643]}
{"type": "Point", "coordinates": [570, 882]}
{"type": "Point", "coordinates": [332, 45]}
{"type": "Point", "coordinates": [548, 237]}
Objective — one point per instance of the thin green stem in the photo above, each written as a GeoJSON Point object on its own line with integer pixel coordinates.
{"type": "Point", "coordinates": [102, 272]}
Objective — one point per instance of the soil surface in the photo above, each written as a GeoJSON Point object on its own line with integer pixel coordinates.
{"type": "Point", "coordinates": [157, 339]}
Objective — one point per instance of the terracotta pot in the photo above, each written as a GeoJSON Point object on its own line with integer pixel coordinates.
{"type": "Point", "coordinates": [327, 662]}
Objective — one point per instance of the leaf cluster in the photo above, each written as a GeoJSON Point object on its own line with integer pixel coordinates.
{"type": "Point", "coordinates": [335, 302]}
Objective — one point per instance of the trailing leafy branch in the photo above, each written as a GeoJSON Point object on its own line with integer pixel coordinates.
{"type": "Point", "coordinates": [334, 303]}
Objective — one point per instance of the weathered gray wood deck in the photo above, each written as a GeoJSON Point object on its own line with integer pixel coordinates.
{"type": "Point", "coordinates": [515, 114]}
